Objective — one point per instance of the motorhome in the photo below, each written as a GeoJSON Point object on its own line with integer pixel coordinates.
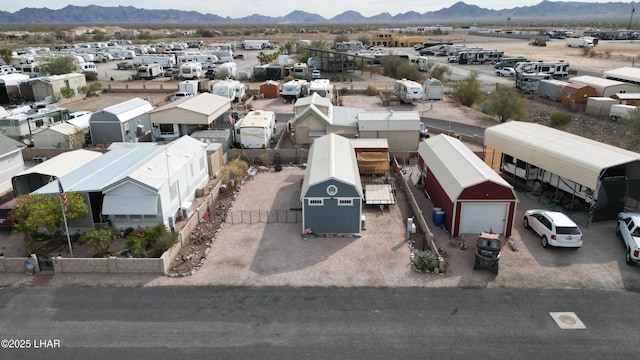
{"type": "Point", "coordinates": [88, 67]}
{"type": "Point", "coordinates": [322, 87]}
{"type": "Point", "coordinates": [294, 89]}
{"type": "Point", "coordinates": [528, 83]}
{"type": "Point", "coordinates": [150, 71]}
{"type": "Point", "coordinates": [408, 91]}
{"type": "Point", "coordinates": [232, 89]}
{"type": "Point", "coordinates": [255, 130]}
{"type": "Point", "coordinates": [191, 70]}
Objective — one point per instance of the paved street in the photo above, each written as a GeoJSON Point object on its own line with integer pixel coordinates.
{"type": "Point", "coordinates": [317, 323]}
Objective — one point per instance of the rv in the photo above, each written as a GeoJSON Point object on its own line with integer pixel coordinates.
{"type": "Point", "coordinates": [229, 68]}
{"type": "Point", "coordinates": [557, 69]}
{"type": "Point", "coordinates": [479, 56]}
{"type": "Point", "coordinates": [579, 42]}
{"type": "Point", "coordinates": [189, 86]}
{"type": "Point", "coordinates": [509, 62]}
{"type": "Point", "coordinates": [620, 111]}
{"type": "Point", "coordinates": [88, 67]}
{"type": "Point", "coordinates": [204, 59]}
{"type": "Point", "coordinates": [191, 70]}
{"type": "Point", "coordinates": [408, 91]}
{"type": "Point", "coordinates": [255, 44]}
{"type": "Point", "coordinates": [300, 70]}
{"type": "Point", "coordinates": [294, 89]}
{"type": "Point", "coordinates": [322, 87]}
{"type": "Point", "coordinates": [223, 56]}
{"type": "Point", "coordinates": [255, 130]}
{"type": "Point", "coordinates": [150, 71]}
{"type": "Point", "coordinates": [163, 60]}
{"type": "Point", "coordinates": [424, 63]}
{"type": "Point", "coordinates": [528, 83]}
{"type": "Point", "coordinates": [23, 123]}
{"type": "Point", "coordinates": [348, 46]}
{"type": "Point", "coordinates": [232, 89]}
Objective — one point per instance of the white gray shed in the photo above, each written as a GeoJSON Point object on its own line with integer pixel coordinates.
{"type": "Point", "coordinates": [433, 89]}
{"type": "Point", "coordinates": [124, 122]}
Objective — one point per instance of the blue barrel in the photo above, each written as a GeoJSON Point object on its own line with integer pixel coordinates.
{"type": "Point", "coordinates": [439, 218]}
{"type": "Point", "coordinates": [433, 213]}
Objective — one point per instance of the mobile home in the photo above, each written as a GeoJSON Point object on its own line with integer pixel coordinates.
{"type": "Point", "coordinates": [255, 130]}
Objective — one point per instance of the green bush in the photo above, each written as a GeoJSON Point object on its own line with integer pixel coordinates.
{"type": "Point", "coordinates": [426, 261]}
{"type": "Point", "coordinates": [163, 243]}
{"type": "Point", "coordinates": [67, 92]}
{"type": "Point", "coordinates": [560, 118]}
{"type": "Point", "coordinates": [372, 90]}
{"type": "Point", "coordinates": [90, 76]}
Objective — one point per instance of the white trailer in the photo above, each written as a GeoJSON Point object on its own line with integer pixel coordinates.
{"type": "Point", "coordinates": [166, 61]}
{"type": "Point", "coordinates": [255, 130]}
{"type": "Point", "coordinates": [408, 91]}
{"type": "Point", "coordinates": [557, 69]}
{"type": "Point", "coordinates": [255, 44]}
{"type": "Point", "coordinates": [322, 87]}
{"type": "Point", "coordinates": [191, 70]}
{"type": "Point", "coordinates": [232, 89]}
{"type": "Point", "coordinates": [150, 71]}
{"type": "Point", "coordinates": [294, 89]}
{"type": "Point", "coordinates": [579, 42]}
{"type": "Point", "coordinates": [529, 83]}
{"type": "Point", "coordinates": [189, 86]}
{"type": "Point", "coordinates": [230, 68]}
{"type": "Point", "coordinates": [423, 63]}
{"type": "Point", "coordinates": [620, 111]}
{"type": "Point", "coordinates": [204, 59]}
{"type": "Point", "coordinates": [88, 67]}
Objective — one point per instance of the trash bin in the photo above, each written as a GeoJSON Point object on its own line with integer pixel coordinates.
{"type": "Point", "coordinates": [439, 218]}
{"type": "Point", "coordinates": [29, 267]}
{"type": "Point", "coordinates": [433, 213]}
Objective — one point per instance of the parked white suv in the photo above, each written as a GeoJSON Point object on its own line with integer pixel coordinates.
{"type": "Point", "coordinates": [554, 228]}
{"type": "Point", "coordinates": [315, 74]}
{"type": "Point", "coordinates": [628, 229]}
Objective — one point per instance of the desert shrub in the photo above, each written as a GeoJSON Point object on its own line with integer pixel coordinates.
{"type": "Point", "coordinates": [165, 241]}
{"type": "Point", "coordinates": [560, 118]}
{"type": "Point", "coordinates": [372, 90]}
{"type": "Point", "coordinates": [426, 261]}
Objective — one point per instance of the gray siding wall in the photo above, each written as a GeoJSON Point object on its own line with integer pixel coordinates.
{"type": "Point", "coordinates": [331, 218]}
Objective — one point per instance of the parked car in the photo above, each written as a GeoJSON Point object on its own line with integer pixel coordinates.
{"type": "Point", "coordinates": [211, 73]}
{"type": "Point", "coordinates": [452, 59]}
{"type": "Point", "coordinates": [628, 229]}
{"type": "Point", "coordinates": [427, 52]}
{"type": "Point", "coordinates": [554, 228]}
{"type": "Point", "coordinates": [487, 251]}
{"type": "Point", "coordinates": [375, 48]}
{"type": "Point", "coordinates": [171, 72]}
{"type": "Point", "coordinates": [506, 71]}
{"type": "Point", "coordinates": [315, 74]}
{"type": "Point", "coordinates": [125, 65]}
{"type": "Point", "coordinates": [238, 56]}
{"type": "Point", "coordinates": [418, 47]}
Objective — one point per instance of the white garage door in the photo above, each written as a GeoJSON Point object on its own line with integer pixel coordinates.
{"type": "Point", "coordinates": [478, 217]}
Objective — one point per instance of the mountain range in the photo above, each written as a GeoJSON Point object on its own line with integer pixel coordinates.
{"type": "Point", "coordinates": [545, 12]}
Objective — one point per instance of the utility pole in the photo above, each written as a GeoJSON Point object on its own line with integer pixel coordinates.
{"type": "Point", "coordinates": [630, 19]}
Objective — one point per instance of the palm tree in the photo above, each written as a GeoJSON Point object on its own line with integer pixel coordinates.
{"type": "Point", "coordinates": [6, 55]}
{"type": "Point", "coordinates": [100, 240]}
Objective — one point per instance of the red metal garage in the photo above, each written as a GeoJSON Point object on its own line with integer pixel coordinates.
{"type": "Point", "coordinates": [473, 196]}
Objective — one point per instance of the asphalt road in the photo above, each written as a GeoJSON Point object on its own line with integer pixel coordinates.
{"type": "Point", "coordinates": [315, 323]}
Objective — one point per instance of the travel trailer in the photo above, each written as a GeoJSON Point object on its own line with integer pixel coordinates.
{"type": "Point", "coordinates": [88, 67]}
{"type": "Point", "coordinates": [150, 71]}
{"type": "Point", "coordinates": [322, 87]}
{"type": "Point", "coordinates": [423, 63]}
{"type": "Point", "coordinates": [557, 69]}
{"type": "Point", "coordinates": [191, 70]}
{"type": "Point", "coordinates": [408, 91]}
{"type": "Point", "coordinates": [509, 62]}
{"type": "Point", "coordinates": [255, 130]}
{"type": "Point", "coordinates": [232, 89]}
{"type": "Point", "coordinates": [189, 86]}
{"type": "Point", "coordinates": [166, 61]}
{"type": "Point", "coordinates": [255, 44]}
{"type": "Point", "coordinates": [528, 83]}
{"type": "Point", "coordinates": [294, 89]}
{"type": "Point", "coordinates": [229, 68]}
{"type": "Point", "coordinates": [620, 112]}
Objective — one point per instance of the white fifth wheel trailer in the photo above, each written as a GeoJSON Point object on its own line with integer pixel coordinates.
{"type": "Point", "coordinates": [408, 91]}
{"type": "Point", "coordinates": [255, 130]}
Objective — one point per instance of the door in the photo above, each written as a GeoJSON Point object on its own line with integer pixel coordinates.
{"type": "Point", "coordinates": [478, 217]}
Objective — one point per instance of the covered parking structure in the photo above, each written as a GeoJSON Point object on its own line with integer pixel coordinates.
{"type": "Point", "coordinates": [570, 171]}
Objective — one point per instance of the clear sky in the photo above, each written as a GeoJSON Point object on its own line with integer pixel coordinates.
{"type": "Point", "coordinates": [241, 8]}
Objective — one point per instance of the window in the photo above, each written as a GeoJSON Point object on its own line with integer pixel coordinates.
{"type": "Point", "coordinates": [316, 202]}
{"type": "Point", "coordinates": [345, 202]}
{"type": "Point", "coordinates": [166, 129]}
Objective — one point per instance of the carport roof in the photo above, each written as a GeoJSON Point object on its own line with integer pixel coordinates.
{"type": "Point", "coordinates": [571, 156]}
{"type": "Point", "coordinates": [204, 103]}
{"type": "Point", "coordinates": [456, 166]}
{"type": "Point", "coordinates": [63, 163]}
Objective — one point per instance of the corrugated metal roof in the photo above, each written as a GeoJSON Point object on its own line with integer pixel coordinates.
{"type": "Point", "coordinates": [129, 109]}
{"type": "Point", "coordinates": [379, 194]}
{"type": "Point", "coordinates": [627, 73]}
{"type": "Point", "coordinates": [160, 165]}
{"type": "Point", "coordinates": [627, 96]}
{"type": "Point", "coordinates": [99, 173]}
{"type": "Point", "coordinates": [331, 157]}
{"type": "Point", "coordinates": [595, 81]}
{"type": "Point", "coordinates": [312, 110]}
{"type": "Point", "coordinates": [371, 143]}
{"type": "Point", "coordinates": [456, 166]}
{"type": "Point", "coordinates": [571, 156]}
{"type": "Point", "coordinates": [388, 120]}
{"type": "Point", "coordinates": [345, 116]}
{"type": "Point", "coordinates": [64, 163]}
{"type": "Point", "coordinates": [64, 128]}
{"type": "Point", "coordinates": [314, 99]}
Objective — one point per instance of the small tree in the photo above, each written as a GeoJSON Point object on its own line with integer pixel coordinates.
{"type": "Point", "coordinates": [6, 55]}
{"type": "Point", "coordinates": [467, 91]}
{"type": "Point", "coordinates": [632, 122]}
{"type": "Point", "coordinates": [67, 92]}
{"type": "Point", "coordinates": [341, 38]}
{"type": "Point", "coordinates": [59, 65]}
{"type": "Point", "coordinates": [100, 240]}
{"type": "Point", "coordinates": [440, 72]}
{"type": "Point", "coordinates": [506, 104]}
